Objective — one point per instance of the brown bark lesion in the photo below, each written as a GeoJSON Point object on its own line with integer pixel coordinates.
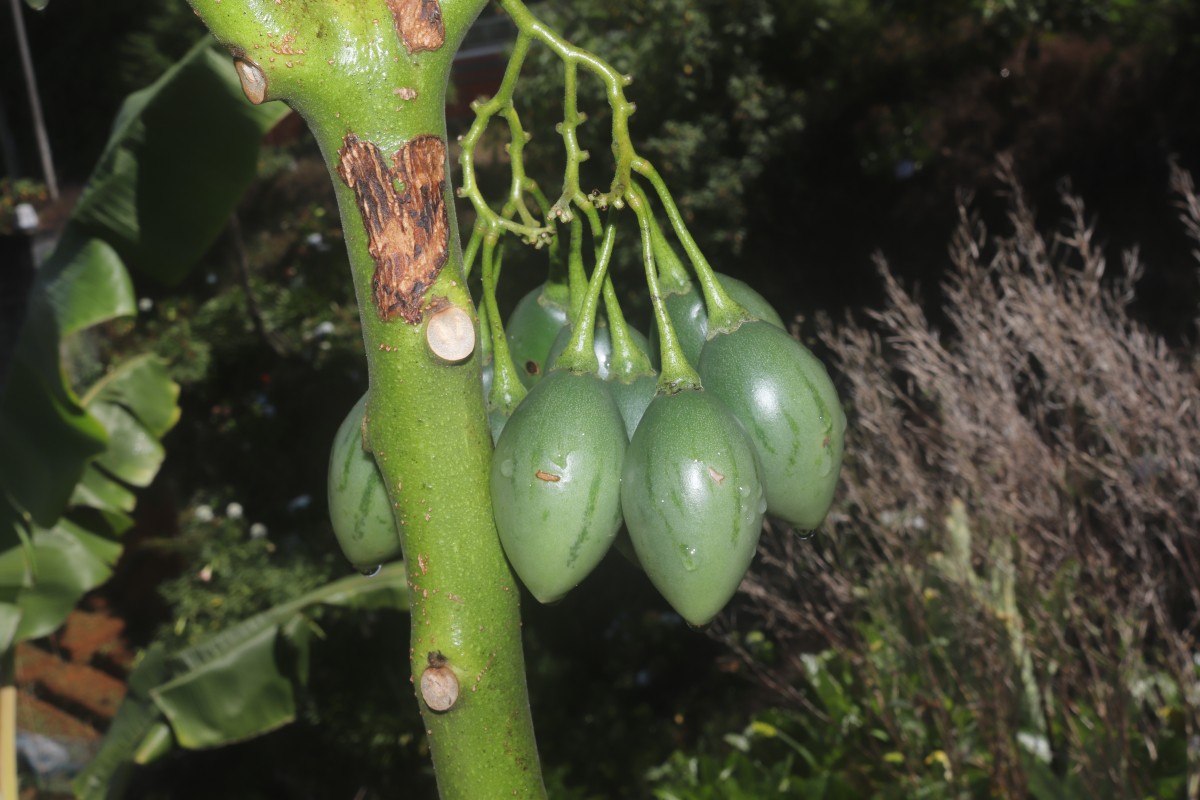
{"type": "Point", "coordinates": [419, 23]}
{"type": "Point", "coordinates": [403, 209]}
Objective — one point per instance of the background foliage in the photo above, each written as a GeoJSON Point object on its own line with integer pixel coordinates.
{"type": "Point", "coordinates": [800, 137]}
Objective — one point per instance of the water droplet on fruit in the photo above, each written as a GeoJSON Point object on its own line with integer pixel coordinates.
{"type": "Point", "coordinates": [689, 558]}
{"type": "Point", "coordinates": [744, 491]}
{"type": "Point", "coordinates": [826, 464]}
{"type": "Point", "coordinates": [371, 572]}
{"type": "Point", "coordinates": [804, 535]}
{"type": "Point", "coordinates": [762, 504]}
{"type": "Point", "coordinates": [506, 468]}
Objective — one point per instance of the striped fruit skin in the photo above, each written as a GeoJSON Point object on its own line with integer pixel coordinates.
{"type": "Point", "coordinates": [783, 396]}
{"type": "Point", "coordinates": [693, 501]}
{"type": "Point", "coordinates": [358, 503]}
{"type": "Point", "coordinates": [556, 477]}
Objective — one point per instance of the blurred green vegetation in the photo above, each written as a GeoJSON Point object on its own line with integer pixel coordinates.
{"type": "Point", "coordinates": [798, 136]}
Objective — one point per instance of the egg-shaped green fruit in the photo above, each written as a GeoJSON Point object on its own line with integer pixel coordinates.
{"type": "Point", "coordinates": [783, 396]}
{"type": "Point", "coordinates": [692, 501]}
{"type": "Point", "coordinates": [686, 309]}
{"type": "Point", "coordinates": [556, 478]}
{"type": "Point", "coordinates": [358, 503]}
{"type": "Point", "coordinates": [530, 331]}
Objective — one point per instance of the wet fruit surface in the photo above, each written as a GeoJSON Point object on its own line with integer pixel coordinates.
{"type": "Point", "coordinates": [556, 476]}
{"type": "Point", "coordinates": [788, 405]}
{"type": "Point", "coordinates": [692, 501]}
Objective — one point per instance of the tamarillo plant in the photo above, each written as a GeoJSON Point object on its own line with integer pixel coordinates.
{"type": "Point", "coordinates": [571, 461]}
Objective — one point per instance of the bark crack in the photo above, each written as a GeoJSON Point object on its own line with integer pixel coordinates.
{"type": "Point", "coordinates": [403, 209]}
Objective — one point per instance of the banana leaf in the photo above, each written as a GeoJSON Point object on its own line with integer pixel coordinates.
{"type": "Point", "coordinates": [236, 684]}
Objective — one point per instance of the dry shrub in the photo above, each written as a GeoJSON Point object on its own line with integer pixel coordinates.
{"type": "Point", "coordinates": [1019, 518]}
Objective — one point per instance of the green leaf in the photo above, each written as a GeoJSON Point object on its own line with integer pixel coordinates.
{"type": "Point", "coordinates": [157, 742]}
{"type": "Point", "coordinates": [134, 454]}
{"type": "Point", "coordinates": [106, 775]}
{"type": "Point", "coordinates": [205, 706]}
{"type": "Point", "coordinates": [182, 152]}
{"type": "Point", "coordinates": [64, 563]}
{"type": "Point", "coordinates": [86, 283]}
{"type": "Point", "coordinates": [100, 491]}
{"type": "Point", "coordinates": [143, 387]}
{"type": "Point", "coordinates": [241, 681]}
{"type": "Point", "coordinates": [46, 439]}
{"type": "Point", "coordinates": [230, 686]}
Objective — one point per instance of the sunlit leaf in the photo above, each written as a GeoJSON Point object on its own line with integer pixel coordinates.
{"type": "Point", "coordinates": [157, 742]}
{"type": "Point", "coordinates": [86, 283]}
{"type": "Point", "coordinates": [134, 454]}
{"type": "Point", "coordinates": [67, 561]}
{"type": "Point", "coordinates": [100, 491]}
{"type": "Point", "coordinates": [142, 386]}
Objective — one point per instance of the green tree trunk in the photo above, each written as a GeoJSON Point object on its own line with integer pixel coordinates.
{"type": "Point", "coordinates": [369, 77]}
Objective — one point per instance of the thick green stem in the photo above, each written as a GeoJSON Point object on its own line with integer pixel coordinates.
{"type": "Point", "coordinates": [369, 77]}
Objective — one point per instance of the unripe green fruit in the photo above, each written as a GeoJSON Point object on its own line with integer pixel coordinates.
{"type": "Point", "coordinates": [601, 343]}
{"type": "Point", "coordinates": [692, 501]}
{"type": "Point", "coordinates": [358, 503]}
{"type": "Point", "coordinates": [556, 478]}
{"type": "Point", "coordinates": [530, 332]}
{"type": "Point", "coordinates": [688, 315]}
{"type": "Point", "coordinates": [633, 398]}
{"type": "Point", "coordinates": [785, 399]}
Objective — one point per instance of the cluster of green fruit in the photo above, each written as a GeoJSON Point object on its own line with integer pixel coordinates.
{"type": "Point", "coordinates": [688, 471]}
{"type": "Point", "coordinates": [735, 418]}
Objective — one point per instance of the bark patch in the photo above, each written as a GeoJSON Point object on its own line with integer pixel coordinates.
{"type": "Point", "coordinates": [419, 23]}
{"type": "Point", "coordinates": [404, 211]}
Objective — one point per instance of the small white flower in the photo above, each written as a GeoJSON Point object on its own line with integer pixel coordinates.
{"type": "Point", "coordinates": [234, 510]}
{"type": "Point", "coordinates": [325, 328]}
{"type": "Point", "coordinates": [204, 514]}
{"type": "Point", "coordinates": [26, 216]}
{"type": "Point", "coordinates": [145, 304]}
{"type": "Point", "coordinates": [258, 531]}
{"type": "Point", "coordinates": [206, 573]}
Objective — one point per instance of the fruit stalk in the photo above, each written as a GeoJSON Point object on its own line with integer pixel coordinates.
{"type": "Point", "coordinates": [369, 78]}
